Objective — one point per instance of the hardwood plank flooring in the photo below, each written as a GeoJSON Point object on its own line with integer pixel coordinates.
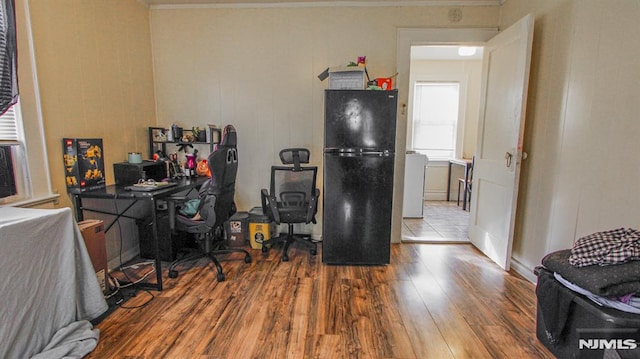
{"type": "Point", "coordinates": [432, 301]}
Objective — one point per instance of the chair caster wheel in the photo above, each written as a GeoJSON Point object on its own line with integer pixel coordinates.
{"type": "Point", "coordinates": [285, 258]}
{"type": "Point", "coordinates": [313, 252]}
{"type": "Point", "coordinates": [220, 277]}
{"type": "Point", "coordinates": [173, 274]}
{"type": "Point", "coordinates": [247, 259]}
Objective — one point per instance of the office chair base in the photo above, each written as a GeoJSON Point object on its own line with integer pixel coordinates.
{"type": "Point", "coordinates": [173, 273]}
{"type": "Point", "coordinates": [288, 239]}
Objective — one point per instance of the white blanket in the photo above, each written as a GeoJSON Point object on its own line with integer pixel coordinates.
{"type": "Point", "coordinates": [48, 283]}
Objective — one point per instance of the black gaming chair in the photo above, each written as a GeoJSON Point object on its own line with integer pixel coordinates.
{"type": "Point", "coordinates": [292, 198]}
{"type": "Point", "coordinates": [216, 206]}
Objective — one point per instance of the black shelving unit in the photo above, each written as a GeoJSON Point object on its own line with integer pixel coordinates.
{"type": "Point", "coordinates": [157, 142]}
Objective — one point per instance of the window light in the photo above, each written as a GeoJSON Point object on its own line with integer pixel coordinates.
{"type": "Point", "coordinates": [467, 50]}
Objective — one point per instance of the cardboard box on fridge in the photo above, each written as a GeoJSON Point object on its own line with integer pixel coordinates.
{"type": "Point", "coordinates": [347, 78]}
{"type": "Point", "coordinates": [83, 163]}
{"type": "Point", "coordinates": [94, 239]}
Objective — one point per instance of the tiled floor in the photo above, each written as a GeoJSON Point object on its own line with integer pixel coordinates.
{"type": "Point", "coordinates": [443, 222]}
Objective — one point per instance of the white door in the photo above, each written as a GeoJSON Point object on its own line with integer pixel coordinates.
{"type": "Point", "coordinates": [499, 147]}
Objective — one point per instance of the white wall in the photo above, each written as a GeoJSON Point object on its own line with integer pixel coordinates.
{"type": "Point", "coordinates": [582, 124]}
{"type": "Point", "coordinates": [256, 68]}
{"type": "Point", "coordinates": [93, 61]}
{"type": "Point", "coordinates": [93, 68]}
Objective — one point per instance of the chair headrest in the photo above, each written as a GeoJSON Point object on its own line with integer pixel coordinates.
{"type": "Point", "coordinates": [229, 137]}
{"type": "Point", "coordinates": [223, 161]}
{"type": "Point", "coordinates": [294, 156]}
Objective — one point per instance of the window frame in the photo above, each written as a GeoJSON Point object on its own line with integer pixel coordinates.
{"type": "Point", "coordinates": [16, 139]}
{"type": "Point", "coordinates": [462, 80]}
{"type": "Point", "coordinates": [418, 121]}
{"type": "Point", "coordinates": [10, 125]}
{"type": "Point", "coordinates": [36, 175]}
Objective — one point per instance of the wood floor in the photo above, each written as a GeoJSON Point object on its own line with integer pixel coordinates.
{"type": "Point", "coordinates": [433, 301]}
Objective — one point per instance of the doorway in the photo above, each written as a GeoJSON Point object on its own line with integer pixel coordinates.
{"type": "Point", "coordinates": [500, 131]}
{"type": "Point", "coordinates": [442, 129]}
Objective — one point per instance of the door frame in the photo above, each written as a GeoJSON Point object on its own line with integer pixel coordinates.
{"type": "Point", "coordinates": [407, 37]}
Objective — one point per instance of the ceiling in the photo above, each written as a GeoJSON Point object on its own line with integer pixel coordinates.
{"type": "Point", "coordinates": [244, 3]}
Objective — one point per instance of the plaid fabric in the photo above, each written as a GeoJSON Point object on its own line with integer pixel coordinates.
{"type": "Point", "coordinates": [605, 248]}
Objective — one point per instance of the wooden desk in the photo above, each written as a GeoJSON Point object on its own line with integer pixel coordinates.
{"type": "Point", "coordinates": [114, 192]}
{"type": "Point", "coordinates": [466, 164]}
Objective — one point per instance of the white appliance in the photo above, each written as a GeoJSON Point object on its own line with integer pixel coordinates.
{"type": "Point", "coordinates": [415, 164]}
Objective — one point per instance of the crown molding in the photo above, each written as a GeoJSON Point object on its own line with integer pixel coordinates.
{"type": "Point", "coordinates": [222, 4]}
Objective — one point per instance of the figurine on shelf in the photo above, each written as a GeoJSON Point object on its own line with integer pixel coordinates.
{"type": "Point", "coordinates": [199, 134]}
{"type": "Point", "coordinates": [176, 132]}
{"type": "Point", "coordinates": [203, 169]}
{"type": "Point", "coordinates": [160, 156]}
{"type": "Point", "coordinates": [188, 137]}
{"type": "Point", "coordinates": [160, 136]}
{"type": "Point", "coordinates": [190, 165]}
{"type": "Point", "coordinates": [173, 166]}
{"type": "Point", "coordinates": [183, 146]}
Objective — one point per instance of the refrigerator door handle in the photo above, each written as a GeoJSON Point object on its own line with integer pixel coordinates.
{"type": "Point", "coordinates": [342, 151]}
{"type": "Point", "coordinates": [353, 152]}
{"type": "Point", "coordinates": [385, 153]}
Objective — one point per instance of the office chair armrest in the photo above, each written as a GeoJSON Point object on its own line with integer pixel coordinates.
{"type": "Point", "coordinates": [173, 202]}
{"type": "Point", "coordinates": [178, 198]}
{"type": "Point", "coordinates": [269, 206]}
{"type": "Point", "coordinates": [312, 208]}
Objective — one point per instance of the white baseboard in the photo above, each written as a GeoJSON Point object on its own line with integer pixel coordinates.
{"type": "Point", "coordinates": [435, 196]}
{"type": "Point", "coordinates": [523, 270]}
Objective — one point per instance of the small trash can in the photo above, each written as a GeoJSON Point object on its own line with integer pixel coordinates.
{"type": "Point", "coordinates": [235, 229]}
{"type": "Point", "coordinates": [261, 228]}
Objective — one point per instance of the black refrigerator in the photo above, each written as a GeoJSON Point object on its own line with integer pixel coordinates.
{"type": "Point", "coordinates": [359, 155]}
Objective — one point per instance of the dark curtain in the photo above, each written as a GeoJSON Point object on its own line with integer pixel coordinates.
{"type": "Point", "coordinates": [7, 182]}
{"type": "Point", "coordinates": [8, 56]}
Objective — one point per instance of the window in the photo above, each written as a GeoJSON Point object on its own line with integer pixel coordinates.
{"type": "Point", "coordinates": [435, 118]}
{"type": "Point", "coordinates": [7, 178]}
{"type": "Point", "coordinates": [9, 125]}
{"type": "Point", "coordinates": [29, 152]}
{"type": "Point", "coordinates": [12, 170]}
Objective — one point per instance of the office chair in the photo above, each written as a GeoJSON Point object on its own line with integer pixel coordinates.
{"type": "Point", "coordinates": [292, 198]}
{"type": "Point", "coordinates": [216, 206]}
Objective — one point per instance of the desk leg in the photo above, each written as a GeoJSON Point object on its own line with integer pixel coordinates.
{"type": "Point", "coordinates": [466, 183]}
{"type": "Point", "coordinates": [77, 204]}
{"type": "Point", "coordinates": [449, 183]}
{"type": "Point", "coordinates": [156, 244]}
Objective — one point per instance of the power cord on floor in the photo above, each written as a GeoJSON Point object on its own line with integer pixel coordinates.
{"type": "Point", "coordinates": [113, 281]}
{"type": "Point", "coordinates": [123, 270]}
